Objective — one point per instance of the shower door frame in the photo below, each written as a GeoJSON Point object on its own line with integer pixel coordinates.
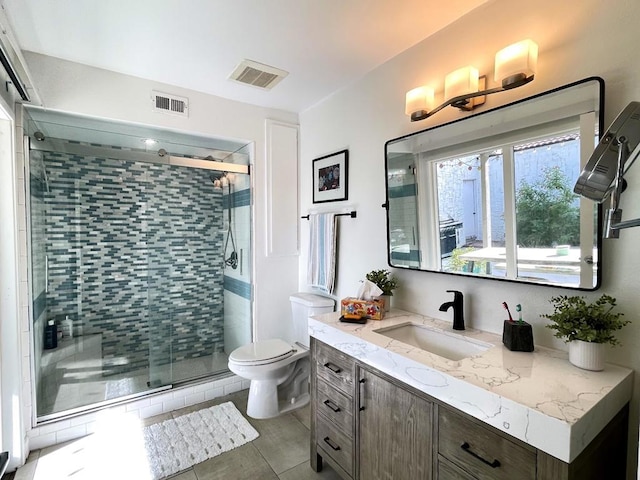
{"type": "Point", "coordinates": [216, 163]}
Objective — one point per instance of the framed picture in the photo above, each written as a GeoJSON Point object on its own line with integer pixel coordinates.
{"type": "Point", "coordinates": [330, 177]}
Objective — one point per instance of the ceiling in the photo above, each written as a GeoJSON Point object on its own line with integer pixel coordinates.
{"type": "Point", "coordinates": [325, 45]}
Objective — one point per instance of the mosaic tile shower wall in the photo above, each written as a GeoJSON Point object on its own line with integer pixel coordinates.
{"type": "Point", "coordinates": [134, 256]}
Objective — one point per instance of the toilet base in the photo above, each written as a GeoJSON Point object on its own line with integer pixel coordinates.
{"type": "Point", "coordinates": [263, 401]}
{"type": "Point", "coordinates": [267, 399]}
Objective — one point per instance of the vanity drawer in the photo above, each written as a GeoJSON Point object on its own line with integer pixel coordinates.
{"type": "Point", "coordinates": [334, 367]}
{"type": "Point", "coordinates": [335, 444]}
{"type": "Point", "coordinates": [336, 406]}
{"type": "Point", "coordinates": [450, 471]}
{"type": "Point", "coordinates": [482, 452]}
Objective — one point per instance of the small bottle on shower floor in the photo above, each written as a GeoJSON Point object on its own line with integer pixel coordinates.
{"type": "Point", "coordinates": [67, 327]}
{"type": "Point", "coordinates": [50, 335]}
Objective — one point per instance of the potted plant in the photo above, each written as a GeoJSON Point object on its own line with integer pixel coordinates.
{"type": "Point", "coordinates": [587, 327]}
{"type": "Point", "coordinates": [385, 282]}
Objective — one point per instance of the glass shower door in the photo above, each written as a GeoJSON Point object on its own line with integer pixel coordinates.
{"type": "Point", "coordinates": [186, 273]}
{"type": "Point", "coordinates": [128, 262]}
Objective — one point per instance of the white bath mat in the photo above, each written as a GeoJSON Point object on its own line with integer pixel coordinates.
{"type": "Point", "coordinates": [177, 444]}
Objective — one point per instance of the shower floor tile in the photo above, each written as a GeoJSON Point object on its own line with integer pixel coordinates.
{"type": "Point", "coordinates": [73, 375]}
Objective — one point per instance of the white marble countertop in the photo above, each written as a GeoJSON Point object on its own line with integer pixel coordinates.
{"type": "Point", "coordinates": [537, 397]}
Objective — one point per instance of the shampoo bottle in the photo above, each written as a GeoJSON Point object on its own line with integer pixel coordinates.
{"type": "Point", "coordinates": [67, 327]}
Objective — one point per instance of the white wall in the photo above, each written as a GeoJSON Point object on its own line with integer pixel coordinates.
{"type": "Point", "coordinates": [12, 294]}
{"type": "Point", "coordinates": [75, 88]}
{"type": "Point", "coordinates": [14, 393]}
{"type": "Point", "coordinates": [576, 40]}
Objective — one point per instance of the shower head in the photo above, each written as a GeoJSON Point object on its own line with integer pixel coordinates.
{"type": "Point", "coordinates": [38, 136]}
{"type": "Point", "coordinates": [215, 179]}
{"type": "Point", "coordinates": [222, 179]}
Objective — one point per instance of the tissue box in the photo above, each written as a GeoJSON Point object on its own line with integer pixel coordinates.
{"type": "Point", "coordinates": [373, 309]}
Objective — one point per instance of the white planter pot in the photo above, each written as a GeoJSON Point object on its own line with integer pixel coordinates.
{"type": "Point", "coordinates": [387, 302]}
{"type": "Point", "coordinates": [587, 355]}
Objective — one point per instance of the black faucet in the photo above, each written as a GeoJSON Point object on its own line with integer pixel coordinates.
{"type": "Point", "coordinates": [458, 309]}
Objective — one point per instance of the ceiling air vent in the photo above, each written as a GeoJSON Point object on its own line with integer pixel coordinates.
{"type": "Point", "coordinates": [257, 74]}
{"type": "Point", "coordinates": [164, 102]}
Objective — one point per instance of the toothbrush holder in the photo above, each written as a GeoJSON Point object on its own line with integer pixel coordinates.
{"type": "Point", "coordinates": [517, 336]}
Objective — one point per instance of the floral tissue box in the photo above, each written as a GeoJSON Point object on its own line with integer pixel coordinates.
{"type": "Point", "coordinates": [373, 309]}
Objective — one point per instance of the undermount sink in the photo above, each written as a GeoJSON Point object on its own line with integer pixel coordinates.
{"type": "Point", "coordinates": [444, 344]}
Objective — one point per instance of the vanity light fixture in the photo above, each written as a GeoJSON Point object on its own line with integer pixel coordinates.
{"type": "Point", "coordinates": [515, 66]}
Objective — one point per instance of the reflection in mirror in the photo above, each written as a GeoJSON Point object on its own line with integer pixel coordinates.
{"type": "Point", "coordinates": [491, 195]}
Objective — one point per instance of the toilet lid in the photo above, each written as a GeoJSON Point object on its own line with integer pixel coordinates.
{"type": "Point", "coordinates": [266, 351]}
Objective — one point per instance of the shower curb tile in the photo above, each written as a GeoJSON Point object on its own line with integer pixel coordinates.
{"type": "Point", "coordinates": [160, 398]}
{"type": "Point", "coordinates": [54, 427]}
{"type": "Point", "coordinates": [234, 387]}
{"type": "Point", "coordinates": [84, 419]}
{"type": "Point", "coordinates": [183, 392]}
{"type": "Point", "coordinates": [203, 387]}
{"type": "Point", "coordinates": [194, 399]}
{"type": "Point", "coordinates": [42, 441]}
{"type": "Point", "coordinates": [138, 405]}
{"type": "Point", "coordinates": [92, 427]}
{"type": "Point", "coordinates": [173, 404]}
{"type": "Point", "coordinates": [71, 433]}
{"type": "Point", "coordinates": [229, 380]}
{"type": "Point", "coordinates": [151, 411]}
{"type": "Point", "coordinates": [214, 393]}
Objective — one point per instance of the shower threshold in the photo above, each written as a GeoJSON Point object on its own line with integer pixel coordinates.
{"type": "Point", "coordinates": [65, 395]}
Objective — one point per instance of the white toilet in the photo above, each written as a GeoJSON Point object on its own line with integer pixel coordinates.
{"type": "Point", "coordinates": [278, 370]}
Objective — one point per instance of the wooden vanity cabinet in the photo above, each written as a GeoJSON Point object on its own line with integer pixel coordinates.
{"type": "Point", "coordinates": [394, 426]}
{"type": "Point", "coordinates": [332, 407]}
{"type": "Point", "coordinates": [370, 426]}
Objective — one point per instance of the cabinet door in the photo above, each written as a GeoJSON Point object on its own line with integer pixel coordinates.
{"type": "Point", "coordinates": [394, 431]}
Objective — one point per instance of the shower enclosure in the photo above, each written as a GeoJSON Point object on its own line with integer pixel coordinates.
{"type": "Point", "coordinates": [140, 255]}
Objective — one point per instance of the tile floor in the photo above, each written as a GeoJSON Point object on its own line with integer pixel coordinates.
{"type": "Point", "coordinates": [281, 452]}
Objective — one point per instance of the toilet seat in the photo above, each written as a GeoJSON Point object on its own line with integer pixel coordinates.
{"type": "Point", "coordinates": [262, 353]}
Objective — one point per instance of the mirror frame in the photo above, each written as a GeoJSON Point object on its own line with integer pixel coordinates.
{"type": "Point", "coordinates": [598, 207]}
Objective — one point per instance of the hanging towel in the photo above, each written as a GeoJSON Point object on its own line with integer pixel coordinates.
{"type": "Point", "coordinates": [323, 234]}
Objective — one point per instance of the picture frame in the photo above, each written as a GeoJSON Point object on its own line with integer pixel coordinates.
{"type": "Point", "coordinates": [331, 177]}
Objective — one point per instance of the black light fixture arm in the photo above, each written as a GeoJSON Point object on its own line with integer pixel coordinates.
{"type": "Point", "coordinates": [460, 101]}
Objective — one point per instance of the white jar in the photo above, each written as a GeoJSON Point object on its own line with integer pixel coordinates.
{"type": "Point", "coordinates": [67, 327]}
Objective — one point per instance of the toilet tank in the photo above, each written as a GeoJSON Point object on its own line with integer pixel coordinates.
{"type": "Point", "coordinates": [304, 305]}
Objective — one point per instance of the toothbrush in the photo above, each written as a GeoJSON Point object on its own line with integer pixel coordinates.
{"type": "Point", "coordinates": [519, 310]}
{"type": "Point", "coordinates": [506, 307]}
